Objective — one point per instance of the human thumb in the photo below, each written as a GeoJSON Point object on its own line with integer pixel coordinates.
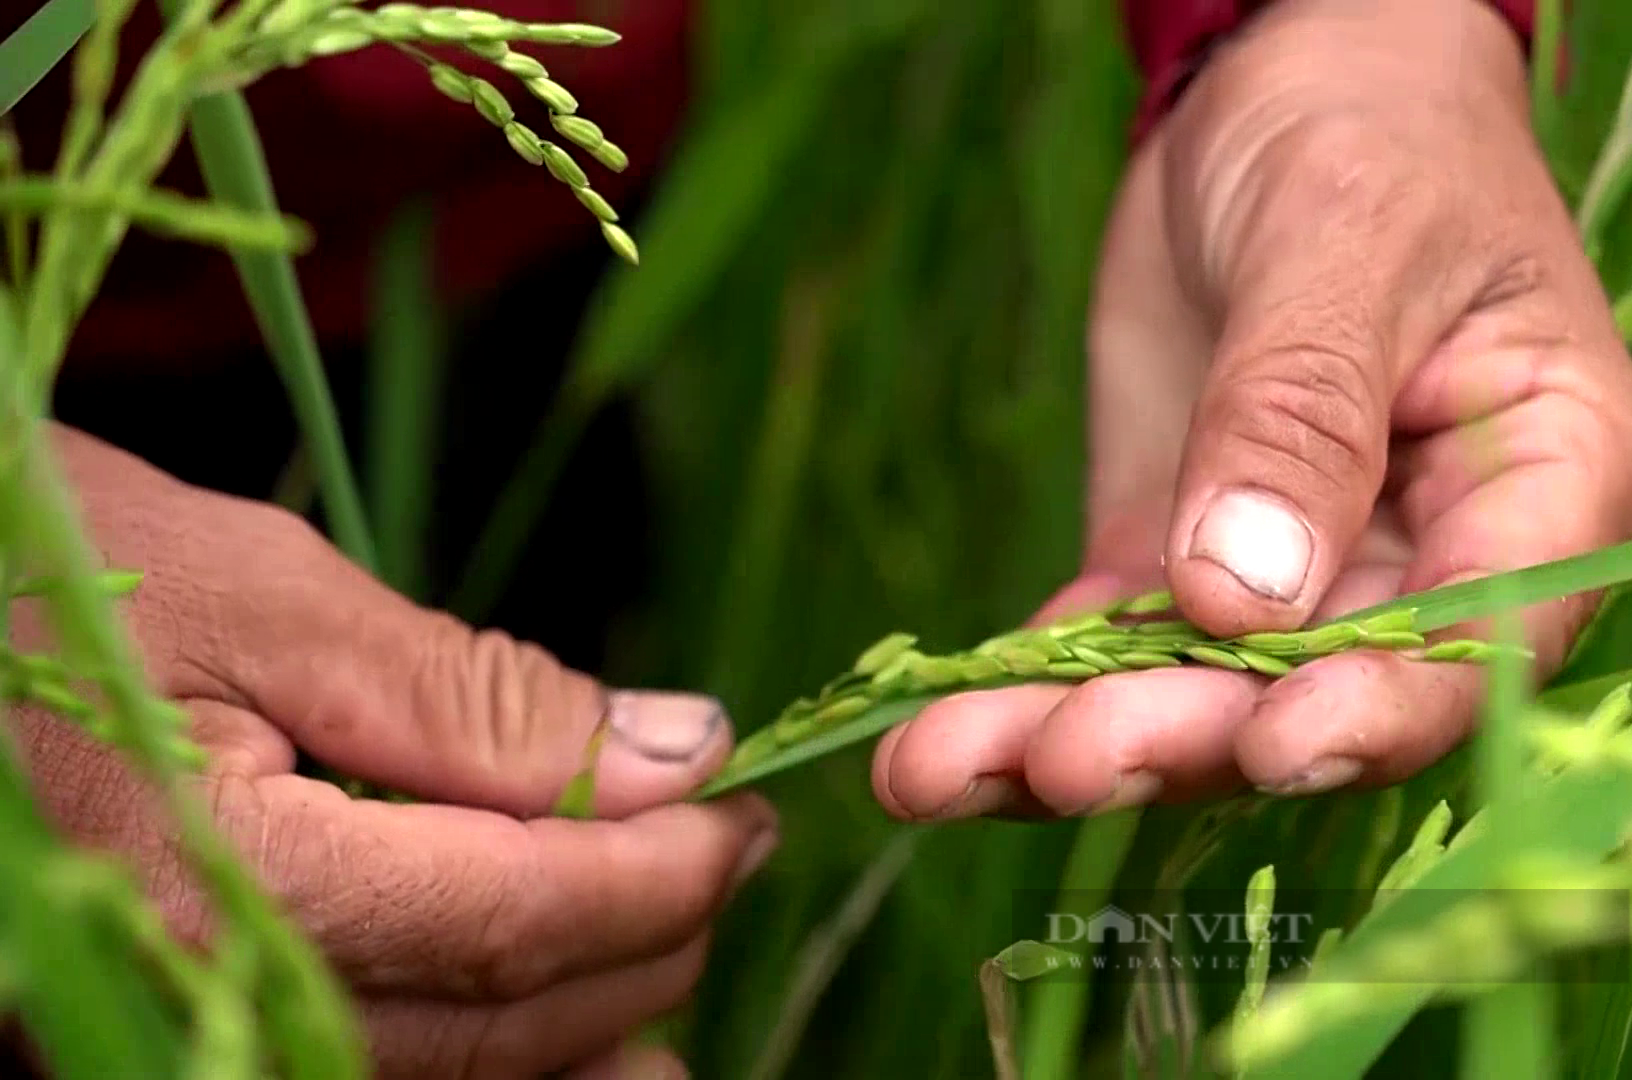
{"type": "Point", "coordinates": [1339, 192]}
{"type": "Point", "coordinates": [245, 604]}
{"type": "Point", "coordinates": [1288, 443]}
{"type": "Point", "coordinates": [1284, 459]}
{"type": "Point", "coordinates": [422, 703]}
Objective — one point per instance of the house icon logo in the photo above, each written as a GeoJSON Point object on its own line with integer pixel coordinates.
{"type": "Point", "coordinates": [1112, 920]}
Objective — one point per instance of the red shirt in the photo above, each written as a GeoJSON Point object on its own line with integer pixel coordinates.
{"type": "Point", "coordinates": [349, 138]}
{"type": "Point", "coordinates": [1169, 37]}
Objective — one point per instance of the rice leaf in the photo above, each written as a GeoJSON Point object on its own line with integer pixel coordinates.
{"type": "Point", "coordinates": [1582, 812]}
{"type": "Point", "coordinates": [229, 155]}
{"type": "Point", "coordinates": [1544, 88]}
{"type": "Point", "coordinates": [406, 372]}
{"type": "Point", "coordinates": [1501, 748]}
{"type": "Point", "coordinates": [234, 168]}
{"type": "Point", "coordinates": [1057, 1010]}
{"type": "Point", "coordinates": [1508, 1032]}
{"type": "Point", "coordinates": [37, 46]}
{"type": "Point", "coordinates": [1436, 609]}
{"type": "Point", "coordinates": [1611, 175]}
{"type": "Point", "coordinates": [1608, 1018]}
{"type": "Point", "coordinates": [873, 722]}
{"type": "Point", "coordinates": [1604, 643]}
{"type": "Point", "coordinates": [1511, 1033]}
{"type": "Point", "coordinates": [824, 952]}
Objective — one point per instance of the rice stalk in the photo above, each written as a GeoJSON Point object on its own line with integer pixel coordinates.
{"type": "Point", "coordinates": [894, 672]}
{"type": "Point", "coordinates": [162, 213]}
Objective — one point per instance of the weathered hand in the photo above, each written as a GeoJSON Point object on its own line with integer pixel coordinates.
{"type": "Point", "coordinates": [1345, 345]}
{"type": "Point", "coordinates": [480, 936]}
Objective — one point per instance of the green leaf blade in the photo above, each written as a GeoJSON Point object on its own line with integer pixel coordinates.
{"type": "Point", "coordinates": [37, 46]}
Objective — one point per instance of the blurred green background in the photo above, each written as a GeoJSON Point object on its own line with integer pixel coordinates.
{"type": "Point", "coordinates": [854, 352]}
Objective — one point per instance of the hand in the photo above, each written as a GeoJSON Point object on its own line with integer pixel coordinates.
{"type": "Point", "coordinates": [1345, 346]}
{"type": "Point", "coordinates": [480, 937]}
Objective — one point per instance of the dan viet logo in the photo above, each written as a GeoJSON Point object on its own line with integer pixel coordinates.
{"type": "Point", "coordinates": [1111, 925]}
{"type": "Point", "coordinates": [1201, 944]}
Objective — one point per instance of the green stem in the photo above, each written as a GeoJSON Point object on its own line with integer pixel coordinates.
{"type": "Point", "coordinates": [14, 221]}
{"type": "Point", "coordinates": [405, 372]}
{"type": "Point", "coordinates": [230, 157]}
{"type": "Point", "coordinates": [234, 168]}
{"type": "Point", "coordinates": [1610, 178]}
{"type": "Point", "coordinates": [1544, 70]}
{"type": "Point", "coordinates": [820, 958]}
{"type": "Point", "coordinates": [1057, 1010]}
{"type": "Point", "coordinates": [162, 212]}
{"type": "Point", "coordinates": [62, 971]}
{"type": "Point", "coordinates": [1510, 1032]}
{"type": "Point", "coordinates": [746, 597]}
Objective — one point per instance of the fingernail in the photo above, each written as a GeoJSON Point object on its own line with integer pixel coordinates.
{"type": "Point", "coordinates": [1260, 539]}
{"type": "Point", "coordinates": [754, 856]}
{"type": "Point", "coordinates": [1136, 788]}
{"type": "Point", "coordinates": [652, 1067]}
{"type": "Point", "coordinates": [984, 795]}
{"type": "Point", "coordinates": [632, 1061]}
{"type": "Point", "coordinates": [1324, 775]}
{"type": "Point", "coordinates": [664, 726]}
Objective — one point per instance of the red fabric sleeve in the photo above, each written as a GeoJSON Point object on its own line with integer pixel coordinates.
{"type": "Point", "coordinates": [1170, 38]}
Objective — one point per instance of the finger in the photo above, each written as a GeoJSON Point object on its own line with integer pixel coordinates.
{"type": "Point", "coordinates": [418, 701]}
{"type": "Point", "coordinates": [1126, 740]}
{"type": "Point", "coordinates": [1553, 443]}
{"type": "Point", "coordinates": [1374, 718]}
{"type": "Point", "coordinates": [1362, 718]}
{"type": "Point", "coordinates": [94, 794]}
{"type": "Point", "coordinates": [246, 604]}
{"type": "Point", "coordinates": [1344, 281]}
{"type": "Point", "coordinates": [432, 899]}
{"type": "Point", "coordinates": [549, 1031]}
{"type": "Point", "coordinates": [1551, 446]}
{"type": "Point", "coordinates": [963, 756]}
{"type": "Point", "coordinates": [632, 1061]}
{"type": "Point", "coordinates": [1113, 742]}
